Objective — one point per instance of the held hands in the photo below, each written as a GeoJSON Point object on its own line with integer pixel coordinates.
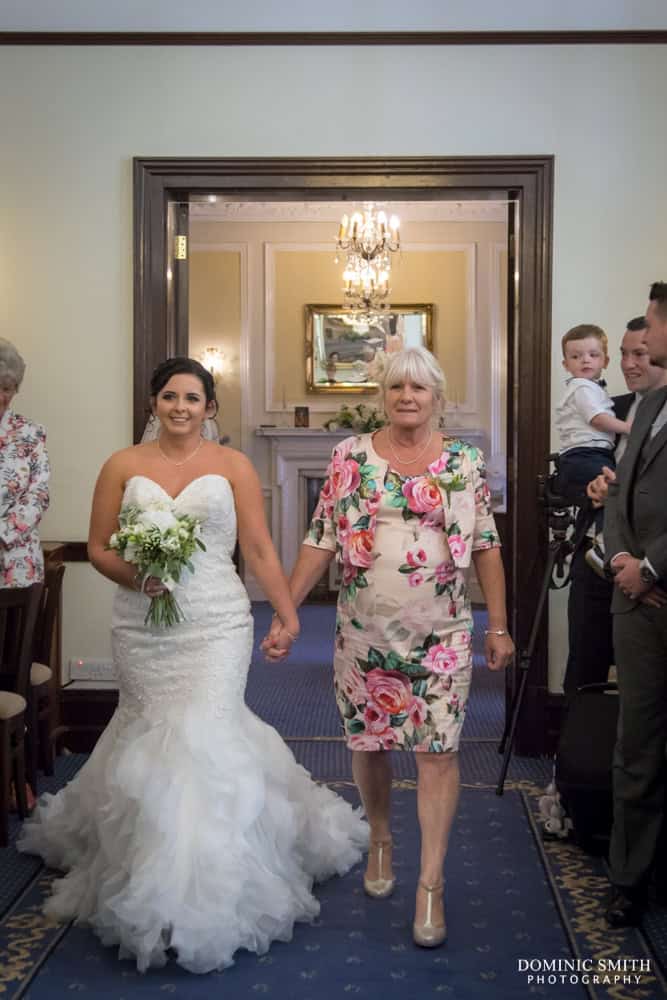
{"type": "Point", "coordinates": [598, 488]}
{"type": "Point", "coordinates": [277, 644]}
{"type": "Point", "coordinates": [498, 649]}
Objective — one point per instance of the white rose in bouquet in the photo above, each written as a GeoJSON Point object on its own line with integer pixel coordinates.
{"type": "Point", "coordinates": [158, 517]}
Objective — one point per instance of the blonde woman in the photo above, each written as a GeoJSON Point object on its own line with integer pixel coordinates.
{"type": "Point", "coordinates": [405, 510]}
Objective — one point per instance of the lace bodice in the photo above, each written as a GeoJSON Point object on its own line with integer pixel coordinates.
{"type": "Point", "coordinates": [208, 497]}
{"type": "Point", "coordinates": [163, 667]}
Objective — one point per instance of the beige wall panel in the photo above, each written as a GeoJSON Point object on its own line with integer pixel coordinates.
{"type": "Point", "coordinates": [300, 277]}
{"type": "Point", "coordinates": [440, 277]}
{"type": "Point", "coordinates": [216, 321]}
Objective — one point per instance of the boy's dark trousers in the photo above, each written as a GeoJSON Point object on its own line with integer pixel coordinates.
{"type": "Point", "coordinates": [577, 467]}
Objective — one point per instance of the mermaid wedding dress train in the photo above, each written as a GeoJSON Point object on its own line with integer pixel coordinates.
{"type": "Point", "coordinates": [191, 827]}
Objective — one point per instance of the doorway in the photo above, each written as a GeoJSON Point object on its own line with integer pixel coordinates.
{"type": "Point", "coordinates": [526, 183]}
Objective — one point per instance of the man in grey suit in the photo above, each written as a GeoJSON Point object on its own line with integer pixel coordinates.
{"type": "Point", "coordinates": [636, 546]}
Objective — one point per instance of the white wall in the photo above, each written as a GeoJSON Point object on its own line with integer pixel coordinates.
{"type": "Point", "coordinates": [71, 119]}
{"type": "Point", "coordinates": [322, 15]}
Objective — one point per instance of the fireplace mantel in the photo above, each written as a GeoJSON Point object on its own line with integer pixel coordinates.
{"type": "Point", "coordinates": [297, 454]}
{"type": "Point", "coordinates": [318, 433]}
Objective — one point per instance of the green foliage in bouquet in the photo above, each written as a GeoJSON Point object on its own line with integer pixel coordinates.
{"type": "Point", "coordinates": [361, 418]}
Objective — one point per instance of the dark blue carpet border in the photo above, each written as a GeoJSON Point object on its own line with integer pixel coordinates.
{"type": "Point", "coordinates": [579, 883]}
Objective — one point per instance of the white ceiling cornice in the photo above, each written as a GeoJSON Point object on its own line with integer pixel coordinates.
{"type": "Point", "coordinates": [324, 211]}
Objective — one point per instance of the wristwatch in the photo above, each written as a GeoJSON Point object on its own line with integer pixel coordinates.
{"type": "Point", "coordinates": [646, 573]}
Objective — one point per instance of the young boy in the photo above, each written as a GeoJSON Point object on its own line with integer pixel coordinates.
{"type": "Point", "coordinates": [585, 415]}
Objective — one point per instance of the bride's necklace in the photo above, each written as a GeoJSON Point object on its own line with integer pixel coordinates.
{"type": "Point", "coordinates": [415, 458]}
{"type": "Point", "coordinates": [171, 461]}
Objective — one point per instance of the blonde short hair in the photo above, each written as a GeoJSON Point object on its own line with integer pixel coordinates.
{"type": "Point", "coordinates": [416, 364]}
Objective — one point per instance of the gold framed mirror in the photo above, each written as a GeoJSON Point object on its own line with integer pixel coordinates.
{"type": "Point", "coordinates": [344, 347]}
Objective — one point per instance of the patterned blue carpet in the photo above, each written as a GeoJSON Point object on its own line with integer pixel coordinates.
{"type": "Point", "coordinates": [361, 947]}
{"type": "Point", "coordinates": [509, 897]}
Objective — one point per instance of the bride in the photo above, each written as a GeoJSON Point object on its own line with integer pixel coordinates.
{"type": "Point", "coordinates": [191, 829]}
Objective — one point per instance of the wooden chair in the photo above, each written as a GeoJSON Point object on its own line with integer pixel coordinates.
{"type": "Point", "coordinates": [19, 608]}
{"type": "Point", "coordinates": [42, 707]}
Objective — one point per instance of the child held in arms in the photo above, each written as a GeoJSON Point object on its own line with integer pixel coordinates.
{"type": "Point", "coordinates": [585, 414]}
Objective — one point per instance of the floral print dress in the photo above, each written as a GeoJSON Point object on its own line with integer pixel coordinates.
{"type": "Point", "coordinates": [403, 656]}
{"type": "Point", "coordinates": [24, 497]}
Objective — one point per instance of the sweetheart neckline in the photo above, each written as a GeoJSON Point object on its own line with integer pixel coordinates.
{"type": "Point", "coordinates": [206, 475]}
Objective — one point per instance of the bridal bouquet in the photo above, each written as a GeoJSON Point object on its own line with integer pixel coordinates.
{"type": "Point", "coordinates": [159, 543]}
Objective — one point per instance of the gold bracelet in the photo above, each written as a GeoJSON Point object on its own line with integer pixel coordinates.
{"type": "Point", "coordinates": [496, 631]}
{"type": "Point", "coordinates": [138, 581]}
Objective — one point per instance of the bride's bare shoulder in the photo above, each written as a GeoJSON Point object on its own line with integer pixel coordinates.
{"type": "Point", "coordinates": [235, 463]}
{"type": "Point", "coordinates": [127, 461]}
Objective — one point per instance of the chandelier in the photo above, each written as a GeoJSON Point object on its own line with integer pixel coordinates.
{"type": "Point", "coordinates": [367, 239]}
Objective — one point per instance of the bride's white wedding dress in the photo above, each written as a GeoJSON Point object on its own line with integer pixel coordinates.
{"type": "Point", "coordinates": [191, 827]}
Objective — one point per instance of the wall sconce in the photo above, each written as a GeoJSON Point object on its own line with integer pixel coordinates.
{"type": "Point", "coordinates": [214, 360]}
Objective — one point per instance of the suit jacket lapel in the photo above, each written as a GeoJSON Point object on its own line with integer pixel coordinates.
{"type": "Point", "coordinates": [657, 443]}
{"type": "Point", "coordinates": [631, 463]}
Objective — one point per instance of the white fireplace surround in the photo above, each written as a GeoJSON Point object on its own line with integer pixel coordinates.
{"type": "Point", "coordinates": [296, 455]}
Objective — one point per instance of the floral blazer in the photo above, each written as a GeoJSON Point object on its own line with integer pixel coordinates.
{"type": "Point", "coordinates": [452, 494]}
{"type": "Point", "coordinates": [24, 497]}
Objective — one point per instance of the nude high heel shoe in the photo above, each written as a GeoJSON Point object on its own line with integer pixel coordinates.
{"type": "Point", "coordinates": [428, 934]}
{"type": "Point", "coordinates": [380, 887]}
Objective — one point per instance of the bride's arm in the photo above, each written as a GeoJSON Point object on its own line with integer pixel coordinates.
{"type": "Point", "coordinates": [258, 550]}
{"type": "Point", "coordinates": [107, 499]}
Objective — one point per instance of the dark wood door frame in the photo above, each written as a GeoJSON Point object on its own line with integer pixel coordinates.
{"type": "Point", "coordinates": [529, 179]}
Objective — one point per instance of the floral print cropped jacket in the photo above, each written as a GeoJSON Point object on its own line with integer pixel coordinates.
{"type": "Point", "coordinates": [452, 495]}
{"type": "Point", "coordinates": [24, 497]}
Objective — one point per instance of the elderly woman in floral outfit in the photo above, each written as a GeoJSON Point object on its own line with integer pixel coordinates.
{"type": "Point", "coordinates": [404, 510]}
{"type": "Point", "coordinates": [24, 480]}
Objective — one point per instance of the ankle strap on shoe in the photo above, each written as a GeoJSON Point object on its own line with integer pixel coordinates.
{"type": "Point", "coordinates": [432, 888]}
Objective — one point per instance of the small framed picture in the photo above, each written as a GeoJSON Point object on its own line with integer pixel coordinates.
{"type": "Point", "coordinates": [301, 416]}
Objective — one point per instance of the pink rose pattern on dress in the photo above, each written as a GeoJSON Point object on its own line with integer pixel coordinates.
{"type": "Point", "coordinates": [24, 497]}
{"type": "Point", "coordinates": [422, 494]}
{"type": "Point", "coordinates": [412, 700]}
{"type": "Point", "coordinates": [441, 659]}
{"type": "Point", "coordinates": [390, 689]}
{"type": "Point", "coordinates": [396, 707]}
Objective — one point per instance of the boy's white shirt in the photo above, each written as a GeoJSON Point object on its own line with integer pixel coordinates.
{"type": "Point", "coordinates": [582, 400]}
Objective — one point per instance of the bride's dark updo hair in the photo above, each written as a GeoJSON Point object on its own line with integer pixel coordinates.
{"type": "Point", "coordinates": [183, 366]}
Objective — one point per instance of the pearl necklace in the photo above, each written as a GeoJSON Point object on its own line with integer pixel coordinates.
{"type": "Point", "coordinates": [415, 458]}
{"type": "Point", "coordinates": [171, 461]}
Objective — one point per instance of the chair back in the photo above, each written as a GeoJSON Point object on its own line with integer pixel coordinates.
{"type": "Point", "coordinates": [19, 608]}
{"type": "Point", "coordinates": [48, 612]}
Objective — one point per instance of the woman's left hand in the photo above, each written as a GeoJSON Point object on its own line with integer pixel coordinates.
{"type": "Point", "coordinates": [499, 651]}
{"type": "Point", "coordinates": [277, 644]}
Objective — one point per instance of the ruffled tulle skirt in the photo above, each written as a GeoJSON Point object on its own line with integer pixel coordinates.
{"type": "Point", "coordinates": [192, 836]}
